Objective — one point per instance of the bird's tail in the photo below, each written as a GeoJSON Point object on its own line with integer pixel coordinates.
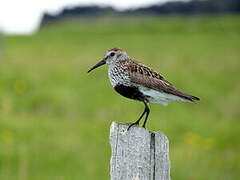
{"type": "Point", "coordinates": [191, 98]}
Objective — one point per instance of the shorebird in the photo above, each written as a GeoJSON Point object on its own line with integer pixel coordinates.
{"type": "Point", "coordinates": [136, 81]}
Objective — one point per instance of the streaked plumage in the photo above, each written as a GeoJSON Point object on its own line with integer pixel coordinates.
{"type": "Point", "coordinates": [139, 82]}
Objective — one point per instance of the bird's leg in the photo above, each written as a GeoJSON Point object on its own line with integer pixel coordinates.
{"type": "Point", "coordinates": [147, 111]}
{"type": "Point", "coordinates": [137, 122]}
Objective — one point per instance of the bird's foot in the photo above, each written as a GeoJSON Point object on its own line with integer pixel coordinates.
{"type": "Point", "coordinates": [132, 124]}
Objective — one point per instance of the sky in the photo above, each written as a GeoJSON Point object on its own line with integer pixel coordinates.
{"type": "Point", "coordinates": [24, 16]}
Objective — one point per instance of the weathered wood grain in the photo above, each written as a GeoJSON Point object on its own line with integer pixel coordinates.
{"type": "Point", "coordinates": [138, 154]}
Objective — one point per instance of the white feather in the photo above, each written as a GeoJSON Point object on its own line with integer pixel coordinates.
{"type": "Point", "coordinates": [156, 97]}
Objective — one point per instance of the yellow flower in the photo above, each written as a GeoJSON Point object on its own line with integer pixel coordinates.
{"type": "Point", "coordinates": [20, 86]}
{"type": "Point", "coordinates": [6, 136]}
{"type": "Point", "coordinates": [196, 140]}
{"type": "Point", "coordinates": [191, 139]}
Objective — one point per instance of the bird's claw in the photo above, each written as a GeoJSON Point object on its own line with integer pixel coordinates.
{"type": "Point", "coordinates": [132, 124]}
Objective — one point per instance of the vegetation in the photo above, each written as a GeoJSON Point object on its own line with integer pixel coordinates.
{"type": "Point", "coordinates": [55, 118]}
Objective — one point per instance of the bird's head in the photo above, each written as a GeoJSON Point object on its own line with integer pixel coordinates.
{"type": "Point", "coordinates": [111, 56]}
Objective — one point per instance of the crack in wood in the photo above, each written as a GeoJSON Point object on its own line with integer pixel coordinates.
{"type": "Point", "coordinates": [152, 147]}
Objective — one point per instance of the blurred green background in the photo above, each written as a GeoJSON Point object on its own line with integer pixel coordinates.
{"type": "Point", "coordinates": [55, 118]}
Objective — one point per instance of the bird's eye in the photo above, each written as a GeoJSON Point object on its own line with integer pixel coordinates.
{"type": "Point", "coordinates": [112, 54]}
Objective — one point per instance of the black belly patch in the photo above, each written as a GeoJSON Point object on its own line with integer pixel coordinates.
{"type": "Point", "coordinates": [130, 92]}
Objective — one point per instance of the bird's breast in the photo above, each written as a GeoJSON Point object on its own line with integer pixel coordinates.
{"type": "Point", "coordinates": [118, 75]}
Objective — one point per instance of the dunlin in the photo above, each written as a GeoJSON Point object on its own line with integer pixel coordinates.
{"type": "Point", "coordinates": [136, 81]}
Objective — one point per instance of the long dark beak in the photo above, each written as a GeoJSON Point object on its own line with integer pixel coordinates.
{"type": "Point", "coordinates": [102, 62]}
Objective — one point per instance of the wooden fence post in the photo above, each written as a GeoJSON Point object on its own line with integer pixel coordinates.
{"type": "Point", "coordinates": [138, 154]}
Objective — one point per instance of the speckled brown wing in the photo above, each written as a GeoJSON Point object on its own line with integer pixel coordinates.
{"type": "Point", "coordinates": [149, 78]}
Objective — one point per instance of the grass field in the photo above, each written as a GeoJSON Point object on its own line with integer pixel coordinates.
{"type": "Point", "coordinates": [55, 118]}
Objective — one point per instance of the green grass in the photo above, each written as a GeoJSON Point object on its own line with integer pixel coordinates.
{"type": "Point", "coordinates": [55, 118]}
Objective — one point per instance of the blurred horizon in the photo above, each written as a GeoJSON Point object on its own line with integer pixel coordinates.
{"type": "Point", "coordinates": [24, 17]}
{"type": "Point", "coordinates": [13, 23]}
